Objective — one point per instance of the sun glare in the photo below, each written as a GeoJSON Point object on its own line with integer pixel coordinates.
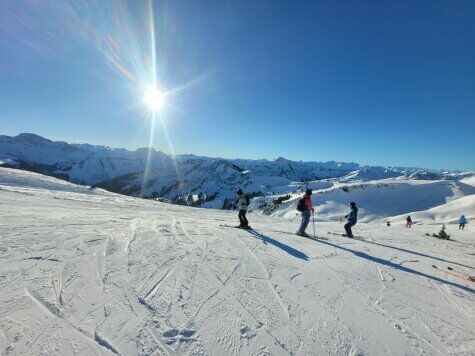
{"type": "Point", "coordinates": [154, 98]}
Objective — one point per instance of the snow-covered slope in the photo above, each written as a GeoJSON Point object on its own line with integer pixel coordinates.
{"type": "Point", "coordinates": [469, 180]}
{"type": "Point", "coordinates": [212, 182]}
{"type": "Point", "coordinates": [443, 214]}
{"type": "Point", "coordinates": [94, 164]}
{"type": "Point", "coordinates": [37, 149]}
{"type": "Point", "coordinates": [13, 179]}
{"type": "Point", "coordinates": [90, 272]}
{"type": "Point", "coordinates": [85, 164]}
{"type": "Point", "coordinates": [381, 199]}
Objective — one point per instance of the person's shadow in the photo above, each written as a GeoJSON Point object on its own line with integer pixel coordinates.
{"type": "Point", "coordinates": [396, 266]}
{"type": "Point", "coordinates": [268, 240]}
{"type": "Point", "coordinates": [418, 254]}
{"type": "Point", "coordinates": [296, 253]}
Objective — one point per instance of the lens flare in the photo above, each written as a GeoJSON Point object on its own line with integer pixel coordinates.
{"type": "Point", "coordinates": [154, 98]}
{"type": "Point", "coordinates": [130, 41]}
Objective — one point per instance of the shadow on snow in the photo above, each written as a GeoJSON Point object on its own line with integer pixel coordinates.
{"type": "Point", "coordinates": [396, 266]}
{"type": "Point", "coordinates": [267, 240]}
{"type": "Point", "coordinates": [418, 254]}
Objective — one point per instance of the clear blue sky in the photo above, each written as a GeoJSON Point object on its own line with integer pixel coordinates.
{"type": "Point", "coordinates": [376, 82]}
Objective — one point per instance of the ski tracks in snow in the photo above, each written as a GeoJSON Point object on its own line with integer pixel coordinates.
{"type": "Point", "coordinates": [93, 277]}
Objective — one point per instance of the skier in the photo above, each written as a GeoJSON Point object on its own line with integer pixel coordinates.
{"type": "Point", "coordinates": [352, 218]}
{"type": "Point", "coordinates": [462, 222]}
{"type": "Point", "coordinates": [408, 222]}
{"type": "Point", "coordinates": [305, 207]}
{"type": "Point", "coordinates": [242, 203]}
{"type": "Point", "coordinates": [388, 223]}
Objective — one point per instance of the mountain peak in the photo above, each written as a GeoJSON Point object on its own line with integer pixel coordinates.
{"type": "Point", "coordinates": [33, 138]}
{"type": "Point", "coordinates": [145, 150]}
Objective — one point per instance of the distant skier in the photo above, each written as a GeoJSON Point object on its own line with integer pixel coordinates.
{"type": "Point", "coordinates": [352, 218]}
{"type": "Point", "coordinates": [306, 208]}
{"type": "Point", "coordinates": [242, 203]}
{"type": "Point", "coordinates": [462, 222]}
{"type": "Point", "coordinates": [408, 222]}
{"type": "Point", "coordinates": [388, 223]}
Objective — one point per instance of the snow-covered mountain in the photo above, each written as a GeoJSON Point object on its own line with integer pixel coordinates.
{"type": "Point", "coordinates": [78, 163]}
{"type": "Point", "coordinates": [94, 164]}
{"type": "Point", "coordinates": [205, 181]}
{"type": "Point", "coordinates": [381, 200]}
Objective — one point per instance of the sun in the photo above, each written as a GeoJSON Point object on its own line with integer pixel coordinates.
{"type": "Point", "coordinates": [154, 98]}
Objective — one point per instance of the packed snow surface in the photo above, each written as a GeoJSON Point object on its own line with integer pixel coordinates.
{"type": "Point", "coordinates": [94, 273]}
{"type": "Point", "coordinates": [388, 199]}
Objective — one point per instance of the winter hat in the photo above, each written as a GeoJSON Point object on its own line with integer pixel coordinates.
{"type": "Point", "coordinates": [239, 192]}
{"type": "Point", "coordinates": [309, 192]}
{"type": "Point", "coordinates": [352, 204]}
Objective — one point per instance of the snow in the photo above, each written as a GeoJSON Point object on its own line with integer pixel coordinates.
{"type": "Point", "coordinates": [444, 214]}
{"type": "Point", "coordinates": [469, 181]}
{"type": "Point", "coordinates": [9, 162]}
{"type": "Point", "coordinates": [382, 192]}
{"type": "Point", "coordinates": [94, 273]}
{"type": "Point", "coordinates": [383, 199]}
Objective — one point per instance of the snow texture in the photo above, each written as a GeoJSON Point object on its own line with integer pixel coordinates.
{"type": "Point", "coordinates": [88, 272]}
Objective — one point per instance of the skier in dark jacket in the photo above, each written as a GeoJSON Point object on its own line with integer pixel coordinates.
{"type": "Point", "coordinates": [306, 213]}
{"type": "Point", "coordinates": [352, 218]}
{"type": "Point", "coordinates": [242, 203]}
{"type": "Point", "coordinates": [408, 221]}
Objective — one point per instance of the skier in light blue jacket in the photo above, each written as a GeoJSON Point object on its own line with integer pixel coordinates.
{"type": "Point", "coordinates": [462, 222]}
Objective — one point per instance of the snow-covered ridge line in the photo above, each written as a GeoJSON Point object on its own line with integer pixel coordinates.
{"type": "Point", "coordinates": [93, 164]}
{"type": "Point", "coordinates": [189, 179]}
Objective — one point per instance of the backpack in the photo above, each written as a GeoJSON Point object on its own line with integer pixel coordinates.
{"type": "Point", "coordinates": [248, 201]}
{"type": "Point", "coordinates": [301, 205]}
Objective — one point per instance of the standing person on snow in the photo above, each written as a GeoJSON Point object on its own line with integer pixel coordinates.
{"type": "Point", "coordinates": [305, 207]}
{"type": "Point", "coordinates": [242, 203]}
{"type": "Point", "coordinates": [352, 218]}
{"type": "Point", "coordinates": [462, 222]}
{"type": "Point", "coordinates": [408, 222]}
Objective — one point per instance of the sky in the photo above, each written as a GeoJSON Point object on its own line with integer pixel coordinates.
{"type": "Point", "coordinates": [387, 83]}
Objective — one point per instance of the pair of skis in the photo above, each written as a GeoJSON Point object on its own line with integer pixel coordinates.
{"type": "Point", "coordinates": [344, 235]}
{"type": "Point", "coordinates": [237, 227]}
{"type": "Point", "coordinates": [282, 232]}
{"type": "Point", "coordinates": [307, 237]}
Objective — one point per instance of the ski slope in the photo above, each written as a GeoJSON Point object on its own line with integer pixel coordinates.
{"type": "Point", "coordinates": [94, 273]}
{"type": "Point", "coordinates": [386, 199]}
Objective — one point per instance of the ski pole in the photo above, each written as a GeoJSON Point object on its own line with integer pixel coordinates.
{"type": "Point", "coordinates": [313, 219]}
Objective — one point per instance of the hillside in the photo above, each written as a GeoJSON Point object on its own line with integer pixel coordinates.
{"type": "Point", "coordinates": [88, 164]}
{"type": "Point", "coordinates": [383, 200]}
{"type": "Point", "coordinates": [92, 272]}
{"type": "Point", "coordinates": [212, 182]}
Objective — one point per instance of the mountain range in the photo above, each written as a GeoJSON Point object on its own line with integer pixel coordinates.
{"type": "Point", "coordinates": [197, 180]}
